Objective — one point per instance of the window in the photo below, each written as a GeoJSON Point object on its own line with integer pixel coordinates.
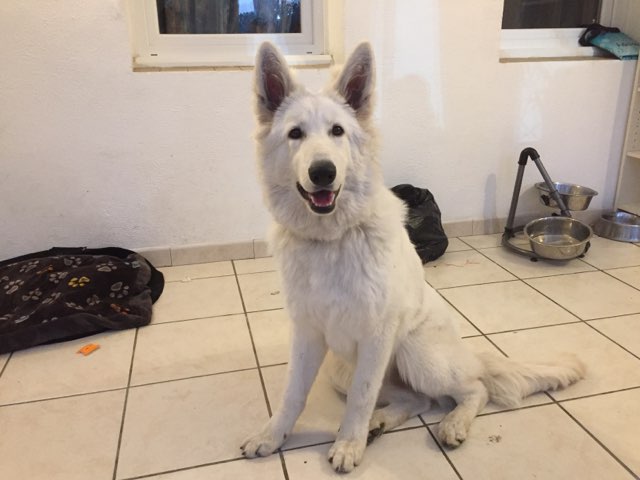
{"type": "Point", "coordinates": [550, 28]}
{"type": "Point", "coordinates": [549, 13]}
{"type": "Point", "coordinates": [194, 33]}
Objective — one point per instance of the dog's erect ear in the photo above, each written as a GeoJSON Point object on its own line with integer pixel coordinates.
{"type": "Point", "coordinates": [273, 81]}
{"type": "Point", "coordinates": [357, 79]}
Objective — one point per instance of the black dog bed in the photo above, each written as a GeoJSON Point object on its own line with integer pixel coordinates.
{"type": "Point", "coordinates": [66, 293]}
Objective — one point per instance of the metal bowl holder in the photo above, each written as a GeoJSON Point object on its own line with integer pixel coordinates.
{"type": "Point", "coordinates": [510, 231]}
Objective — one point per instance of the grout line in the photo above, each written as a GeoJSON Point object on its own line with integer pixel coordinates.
{"type": "Point", "coordinates": [4, 367]}
{"type": "Point", "coordinates": [537, 327]}
{"type": "Point", "coordinates": [591, 395]}
{"type": "Point", "coordinates": [274, 365]}
{"type": "Point", "coordinates": [208, 277]}
{"type": "Point", "coordinates": [435, 440]}
{"type": "Point", "coordinates": [183, 469]}
{"type": "Point", "coordinates": [62, 397]}
{"type": "Point", "coordinates": [253, 345]}
{"type": "Point", "coordinates": [604, 447]}
{"type": "Point", "coordinates": [611, 316]}
{"type": "Point", "coordinates": [124, 407]}
{"type": "Point", "coordinates": [474, 284]}
{"type": "Point", "coordinates": [213, 316]}
{"type": "Point", "coordinates": [612, 340]}
{"type": "Point", "coordinates": [248, 369]}
{"type": "Point", "coordinates": [479, 284]}
{"type": "Point", "coordinates": [482, 334]}
{"type": "Point", "coordinates": [311, 445]}
{"type": "Point", "coordinates": [618, 279]}
{"type": "Point", "coordinates": [283, 464]}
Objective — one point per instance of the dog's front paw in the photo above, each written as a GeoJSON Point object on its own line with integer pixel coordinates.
{"type": "Point", "coordinates": [452, 432]}
{"type": "Point", "coordinates": [345, 455]}
{"type": "Point", "coordinates": [262, 444]}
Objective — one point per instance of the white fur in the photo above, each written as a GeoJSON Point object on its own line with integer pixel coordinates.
{"type": "Point", "coordinates": [353, 282]}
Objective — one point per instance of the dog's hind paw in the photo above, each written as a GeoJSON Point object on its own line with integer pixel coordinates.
{"type": "Point", "coordinates": [375, 433]}
{"type": "Point", "coordinates": [345, 455]}
{"type": "Point", "coordinates": [261, 445]}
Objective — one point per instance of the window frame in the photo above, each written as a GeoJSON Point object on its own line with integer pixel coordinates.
{"type": "Point", "coordinates": [533, 43]}
{"type": "Point", "coordinates": [153, 49]}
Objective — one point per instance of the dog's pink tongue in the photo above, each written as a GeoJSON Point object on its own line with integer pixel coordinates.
{"type": "Point", "coordinates": [323, 198]}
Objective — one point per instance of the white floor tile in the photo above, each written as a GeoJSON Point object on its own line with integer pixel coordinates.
{"type": "Point", "coordinates": [170, 351]}
{"type": "Point", "coordinates": [270, 332]}
{"type": "Point", "coordinates": [199, 270]}
{"type": "Point", "coordinates": [463, 268]}
{"type": "Point", "coordinates": [261, 291]}
{"type": "Point", "coordinates": [457, 245]}
{"type": "Point", "coordinates": [608, 366]}
{"type": "Point", "coordinates": [590, 295]}
{"type": "Point", "coordinates": [541, 442]}
{"type": "Point", "coordinates": [483, 241]}
{"type": "Point", "coordinates": [496, 307]}
{"type": "Point", "coordinates": [624, 330]}
{"type": "Point", "coordinates": [398, 455]}
{"type": "Point", "coordinates": [189, 422]}
{"type": "Point", "coordinates": [605, 254]}
{"type": "Point", "coordinates": [64, 439]}
{"type": "Point", "coordinates": [495, 240]}
{"type": "Point", "coordinates": [255, 265]}
{"type": "Point", "coordinates": [523, 267]}
{"type": "Point", "coordinates": [269, 468]}
{"type": "Point", "coordinates": [207, 297]}
{"type": "Point", "coordinates": [614, 420]}
{"type": "Point", "coordinates": [630, 275]}
{"type": "Point", "coordinates": [57, 370]}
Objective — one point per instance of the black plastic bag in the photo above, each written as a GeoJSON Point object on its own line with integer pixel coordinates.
{"type": "Point", "coordinates": [424, 221]}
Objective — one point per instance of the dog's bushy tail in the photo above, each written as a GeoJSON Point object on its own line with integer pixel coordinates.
{"type": "Point", "coordinates": [509, 381]}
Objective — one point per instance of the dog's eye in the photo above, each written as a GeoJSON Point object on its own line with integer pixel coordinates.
{"type": "Point", "coordinates": [337, 130]}
{"type": "Point", "coordinates": [295, 133]}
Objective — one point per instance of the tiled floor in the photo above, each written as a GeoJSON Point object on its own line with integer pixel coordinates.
{"type": "Point", "coordinates": [172, 401]}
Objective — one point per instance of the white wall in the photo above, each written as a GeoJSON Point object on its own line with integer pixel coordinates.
{"type": "Point", "coordinates": [94, 154]}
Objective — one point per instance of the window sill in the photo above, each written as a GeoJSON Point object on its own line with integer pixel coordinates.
{"type": "Point", "coordinates": [542, 55]}
{"type": "Point", "coordinates": [545, 44]}
{"type": "Point", "coordinates": [153, 63]}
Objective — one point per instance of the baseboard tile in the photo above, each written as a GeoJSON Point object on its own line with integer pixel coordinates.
{"type": "Point", "coordinates": [205, 253]}
{"type": "Point", "coordinates": [158, 256]}
{"type": "Point", "coordinates": [258, 248]}
{"type": "Point", "coordinates": [261, 249]}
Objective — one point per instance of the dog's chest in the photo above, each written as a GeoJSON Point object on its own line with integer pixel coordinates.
{"type": "Point", "coordinates": [339, 287]}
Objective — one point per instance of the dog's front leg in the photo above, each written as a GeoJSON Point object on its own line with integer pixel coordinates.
{"type": "Point", "coordinates": [308, 349]}
{"type": "Point", "coordinates": [372, 361]}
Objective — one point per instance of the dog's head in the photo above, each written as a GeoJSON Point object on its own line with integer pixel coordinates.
{"type": "Point", "coordinates": [315, 151]}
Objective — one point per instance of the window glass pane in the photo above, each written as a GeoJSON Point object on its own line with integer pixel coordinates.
{"type": "Point", "coordinates": [549, 13]}
{"type": "Point", "coordinates": [229, 16]}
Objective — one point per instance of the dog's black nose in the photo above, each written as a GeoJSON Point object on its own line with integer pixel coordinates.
{"type": "Point", "coordinates": [322, 172]}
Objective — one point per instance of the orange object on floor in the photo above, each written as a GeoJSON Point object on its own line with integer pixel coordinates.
{"type": "Point", "coordinates": [88, 349]}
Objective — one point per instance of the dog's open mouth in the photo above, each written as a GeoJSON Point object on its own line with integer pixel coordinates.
{"type": "Point", "coordinates": [321, 201]}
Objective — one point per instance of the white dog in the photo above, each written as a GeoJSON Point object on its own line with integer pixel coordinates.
{"type": "Point", "coordinates": [351, 277]}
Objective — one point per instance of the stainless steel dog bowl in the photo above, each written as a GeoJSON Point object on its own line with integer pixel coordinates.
{"type": "Point", "coordinates": [620, 226]}
{"type": "Point", "coordinates": [575, 197]}
{"type": "Point", "coordinates": [558, 238]}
